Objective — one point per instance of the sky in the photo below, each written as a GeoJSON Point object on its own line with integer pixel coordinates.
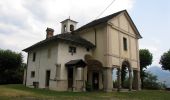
{"type": "Point", "coordinates": [23, 22]}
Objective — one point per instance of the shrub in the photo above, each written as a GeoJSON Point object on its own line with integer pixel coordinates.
{"type": "Point", "coordinates": [88, 86]}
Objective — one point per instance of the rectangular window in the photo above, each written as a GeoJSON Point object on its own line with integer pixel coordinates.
{"type": "Point", "coordinates": [58, 69]}
{"type": "Point", "coordinates": [32, 74]}
{"type": "Point", "coordinates": [34, 57]}
{"type": "Point", "coordinates": [49, 53]}
{"type": "Point", "coordinates": [72, 49]}
{"type": "Point", "coordinates": [125, 43]}
{"type": "Point", "coordinates": [87, 49]}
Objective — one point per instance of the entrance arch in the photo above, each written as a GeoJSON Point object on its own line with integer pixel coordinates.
{"type": "Point", "coordinates": [126, 68]}
{"type": "Point", "coordinates": [94, 72]}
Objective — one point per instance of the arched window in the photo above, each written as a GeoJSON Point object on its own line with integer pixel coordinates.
{"type": "Point", "coordinates": [71, 27]}
{"type": "Point", "coordinates": [64, 27]}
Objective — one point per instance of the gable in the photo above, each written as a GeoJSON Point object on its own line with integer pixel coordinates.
{"type": "Point", "coordinates": [125, 23]}
{"type": "Point", "coordinates": [99, 21]}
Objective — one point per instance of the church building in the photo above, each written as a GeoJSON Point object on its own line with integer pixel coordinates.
{"type": "Point", "coordinates": [77, 59]}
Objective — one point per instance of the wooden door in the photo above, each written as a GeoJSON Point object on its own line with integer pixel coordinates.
{"type": "Point", "coordinates": [70, 77]}
{"type": "Point", "coordinates": [95, 80]}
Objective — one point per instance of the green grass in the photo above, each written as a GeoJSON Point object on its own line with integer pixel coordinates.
{"type": "Point", "coordinates": [20, 92]}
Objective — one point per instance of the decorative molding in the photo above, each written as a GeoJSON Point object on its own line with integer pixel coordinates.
{"type": "Point", "coordinates": [121, 30]}
{"type": "Point", "coordinates": [113, 55]}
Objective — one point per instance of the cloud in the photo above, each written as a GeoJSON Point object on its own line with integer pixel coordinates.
{"type": "Point", "coordinates": [155, 47]}
{"type": "Point", "coordinates": [23, 22]}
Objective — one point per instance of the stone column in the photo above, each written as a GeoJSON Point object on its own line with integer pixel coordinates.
{"type": "Point", "coordinates": [130, 79]}
{"type": "Point", "coordinates": [108, 83]}
{"type": "Point", "coordinates": [118, 79]}
{"type": "Point", "coordinates": [137, 80]}
{"type": "Point", "coordinates": [134, 79]}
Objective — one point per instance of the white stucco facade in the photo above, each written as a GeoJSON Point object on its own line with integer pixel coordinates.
{"type": "Point", "coordinates": [59, 56]}
{"type": "Point", "coordinates": [107, 54]}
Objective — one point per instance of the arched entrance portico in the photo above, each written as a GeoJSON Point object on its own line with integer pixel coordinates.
{"type": "Point", "coordinates": [75, 74]}
{"type": "Point", "coordinates": [94, 73]}
{"type": "Point", "coordinates": [125, 68]}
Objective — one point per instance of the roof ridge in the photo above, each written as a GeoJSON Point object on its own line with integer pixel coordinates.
{"type": "Point", "coordinates": [112, 14]}
{"type": "Point", "coordinates": [100, 20]}
{"type": "Point", "coordinates": [78, 36]}
{"type": "Point", "coordinates": [64, 36]}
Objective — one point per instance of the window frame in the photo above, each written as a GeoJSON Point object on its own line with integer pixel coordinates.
{"type": "Point", "coordinates": [34, 56]}
{"type": "Point", "coordinates": [49, 53]}
{"type": "Point", "coordinates": [64, 28]}
{"type": "Point", "coordinates": [88, 49]}
{"type": "Point", "coordinates": [125, 45]}
{"type": "Point", "coordinates": [71, 27]}
{"type": "Point", "coordinates": [72, 49]}
{"type": "Point", "coordinates": [32, 74]}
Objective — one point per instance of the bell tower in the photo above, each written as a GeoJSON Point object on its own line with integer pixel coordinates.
{"type": "Point", "coordinates": [68, 25]}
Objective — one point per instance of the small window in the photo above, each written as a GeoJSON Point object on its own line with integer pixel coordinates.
{"type": "Point", "coordinates": [34, 56]}
{"type": "Point", "coordinates": [125, 43]}
{"type": "Point", "coordinates": [64, 28]}
{"type": "Point", "coordinates": [72, 49]}
{"type": "Point", "coordinates": [87, 49]}
{"type": "Point", "coordinates": [71, 28]}
{"type": "Point", "coordinates": [49, 53]}
{"type": "Point", "coordinates": [58, 69]}
{"type": "Point", "coordinates": [32, 74]}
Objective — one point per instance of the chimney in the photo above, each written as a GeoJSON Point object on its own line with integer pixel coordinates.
{"type": "Point", "coordinates": [49, 32]}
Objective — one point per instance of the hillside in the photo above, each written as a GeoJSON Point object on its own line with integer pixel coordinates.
{"type": "Point", "coordinates": [162, 74]}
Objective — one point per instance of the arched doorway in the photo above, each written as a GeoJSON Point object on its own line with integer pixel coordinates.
{"type": "Point", "coordinates": [94, 73]}
{"type": "Point", "coordinates": [126, 75]}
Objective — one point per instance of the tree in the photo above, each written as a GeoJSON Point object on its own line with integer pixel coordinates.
{"type": "Point", "coordinates": [145, 60]}
{"type": "Point", "coordinates": [11, 70]}
{"type": "Point", "coordinates": [123, 75]}
{"type": "Point", "coordinates": [165, 61]}
{"type": "Point", "coordinates": [151, 82]}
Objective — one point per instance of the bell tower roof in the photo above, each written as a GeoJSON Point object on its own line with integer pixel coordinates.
{"type": "Point", "coordinates": [68, 20]}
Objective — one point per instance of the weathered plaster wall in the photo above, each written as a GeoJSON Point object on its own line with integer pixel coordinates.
{"type": "Point", "coordinates": [59, 55]}
{"type": "Point", "coordinates": [118, 28]}
{"type": "Point", "coordinates": [42, 64]}
{"type": "Point", "coordinates": [97, 36]}
{"type": "Point", "coordinates": [64, 56]}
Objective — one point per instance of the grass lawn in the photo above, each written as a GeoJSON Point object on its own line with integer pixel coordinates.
{"type": "Point", "coordinates": [19, 92]}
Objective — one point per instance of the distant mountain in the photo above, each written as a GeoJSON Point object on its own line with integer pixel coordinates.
{"type": "Point", "coordinates": [162, 74]}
